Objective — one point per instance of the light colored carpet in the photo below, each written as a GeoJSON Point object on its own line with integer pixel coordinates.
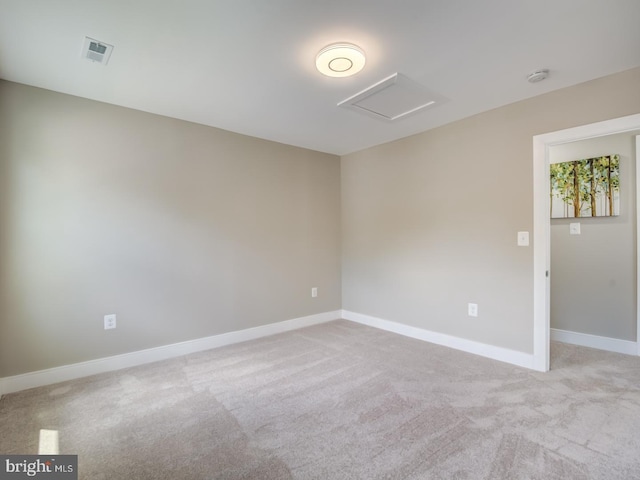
{"type": "Point", "coordinates": [342, 401]}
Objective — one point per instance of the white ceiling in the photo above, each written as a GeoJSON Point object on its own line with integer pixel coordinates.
{"type": "Point", "coordinates": [249, 65]}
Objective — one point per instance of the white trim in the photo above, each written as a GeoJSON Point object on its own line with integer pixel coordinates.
{"type": "Point", "coordinates": [595, 341]}
{"type": "Point", "coordinates": [541, 222]}
{"type": "Point", "coordinates": [541, 258]}
{"type": "Point", "coordinates": [513, 357]}
{"type": "Point", "coordinates": [117, 362]}
{"type": "Point", "coordinates": [638, 243]}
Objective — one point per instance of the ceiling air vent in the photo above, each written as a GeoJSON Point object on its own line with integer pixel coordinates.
{"type": "Point", "coordinates": [393, 98]}
{"type": "Point", "coordinates": [96, 51]}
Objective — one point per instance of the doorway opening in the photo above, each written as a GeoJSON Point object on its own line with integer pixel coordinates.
{"type": "Point", "coordinates": [542, 224]}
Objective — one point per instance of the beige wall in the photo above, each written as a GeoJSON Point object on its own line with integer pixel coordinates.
{"type": "Point", "coordinates": [593, 275]}
{"type": "Point", "coordinates": [186, 231]}
{"type": "Point", "coordinates": [183, 231]}
{"type": "Point", "coordinates": [429, 222]}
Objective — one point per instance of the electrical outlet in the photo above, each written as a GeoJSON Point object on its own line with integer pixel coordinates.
{"type": "Point", "coordinates": [314, 292]}
{"type": "Point", "coordinates": [473, 310]}
{"type": "Point", "coordinates": [110, 321]}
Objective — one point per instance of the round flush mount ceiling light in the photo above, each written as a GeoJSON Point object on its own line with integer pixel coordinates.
{"type": "Point", "coordinates": [340, 60]}
{"type": "Point", "coordinates": [537, 76]}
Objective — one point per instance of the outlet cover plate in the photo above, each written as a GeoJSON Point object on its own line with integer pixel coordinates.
{"type": "Point", "coordinates": [110, 321]}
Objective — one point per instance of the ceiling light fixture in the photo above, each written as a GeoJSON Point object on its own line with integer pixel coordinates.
{"type": "Point", "coordinates": [340, 60]}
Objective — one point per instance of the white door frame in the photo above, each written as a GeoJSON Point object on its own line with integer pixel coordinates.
{"type": "Point", "coordinates": [542, 223]}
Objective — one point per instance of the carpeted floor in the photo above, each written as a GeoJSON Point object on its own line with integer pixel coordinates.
{"type": "Point", "coordinates": [342, 401]}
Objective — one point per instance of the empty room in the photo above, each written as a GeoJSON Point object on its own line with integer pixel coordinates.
{"type": "Point", "coordinates": [245, 239]}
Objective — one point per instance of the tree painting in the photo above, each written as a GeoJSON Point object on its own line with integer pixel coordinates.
{"type": "Point", "coordinates": [586, 188]}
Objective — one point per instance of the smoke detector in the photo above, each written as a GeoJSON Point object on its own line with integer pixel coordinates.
{"type": "Point", "coordinates": [96, 51]}
{"type": "Point", "coordinates": [537, 76]}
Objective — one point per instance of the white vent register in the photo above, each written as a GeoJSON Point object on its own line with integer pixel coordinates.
{"type": "Point", "coordinates": [96, 51]}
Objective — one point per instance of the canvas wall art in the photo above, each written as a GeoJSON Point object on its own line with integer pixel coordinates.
{"type": "Point", "coordinates": [586, 188]}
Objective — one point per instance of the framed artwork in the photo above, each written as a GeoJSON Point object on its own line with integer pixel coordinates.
{"type": "Point", "coordinates": [586, 188]}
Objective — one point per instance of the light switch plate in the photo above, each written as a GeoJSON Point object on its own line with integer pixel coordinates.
{"type": "Point", "coordinates": [574, 228]}
{"type": "Point", "coordinates": [523, 239]}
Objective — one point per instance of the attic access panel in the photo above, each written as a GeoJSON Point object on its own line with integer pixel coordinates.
{"type": "Point", "coordinates": [393, 98]}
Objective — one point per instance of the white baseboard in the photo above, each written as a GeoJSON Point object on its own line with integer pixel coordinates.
{"type": "Point", "coordinates": [506, 355]}
{"type": "Point", "coordinates": [117, 362]}
{"type": "Point", "coordinates": [594, 341]}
